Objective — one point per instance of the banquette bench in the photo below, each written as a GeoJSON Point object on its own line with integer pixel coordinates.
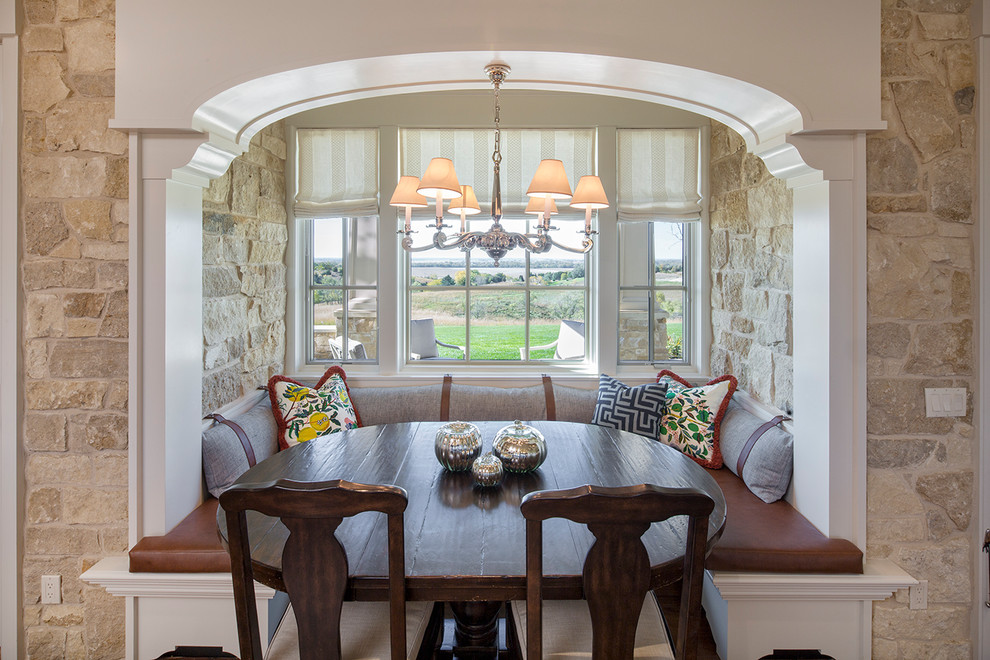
{"type": "Point", "coordinates": [758, 537]}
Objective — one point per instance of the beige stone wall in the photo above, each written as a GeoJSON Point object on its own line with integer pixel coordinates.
{"type": "Point", "coordinates": [921, 484]}
{"type": "Point", "coordinates": [244, 241]}
{"type": "Point", "coordinates": [751, 248]}
{"type": "Point", "coordinates": [74, 278]}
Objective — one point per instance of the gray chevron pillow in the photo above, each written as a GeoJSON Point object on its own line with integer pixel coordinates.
{"type": "Point", "coordinates": [636, 409]}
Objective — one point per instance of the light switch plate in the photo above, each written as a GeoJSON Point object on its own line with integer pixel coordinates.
{"type": "Point", "coordinates": [945, 401]}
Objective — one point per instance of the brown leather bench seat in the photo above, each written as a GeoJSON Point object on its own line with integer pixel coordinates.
{"type": "Point", "coordinates": [758, 537]}
{"type": "Point", "coordinates": [774, 538]}
{"type": "Point", "coordinates": [193, 546]}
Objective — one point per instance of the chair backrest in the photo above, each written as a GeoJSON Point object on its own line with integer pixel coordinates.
{"type": "Point", "coordinates": [570, 341]}
{"type": "Point", "coordinates": [617, 517]}
{"type": "Point", "coordinates": [314, 563]}
{"type": "Point", "coordinates": [423, 338]}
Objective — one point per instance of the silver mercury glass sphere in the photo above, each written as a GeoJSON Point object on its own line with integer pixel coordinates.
{"type": "Point", "coordinates": [520, 447]}
{"type": "Point", "coordinates": [457, 445]}
{"type": "Point", "coordinates": [487, 470]}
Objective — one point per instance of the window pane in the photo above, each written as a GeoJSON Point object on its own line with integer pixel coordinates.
{"type": "Point", "coordinates": [362, 257]}
{"type": "Point", "coordinates": [498, 324]}
{"type": "Point", "coordinates": [438, 268]}
{"type": "Point", "coordinates": [669, 324]}
{"type": "Point", "coordinates": [362, 326]}
{"type": "Point", "coordinates": [511, 269]}
{"type": "Point", "coordinates": [328, 251]}
{"type": "Point", "coordinates": [327, 305]}
{"type": "Point", "coordinates": [634, 268]}
{"type": "Point", "coordinates": [558, 267]}
{"type": "Point", "coordinates": [436, 316]}
{"type": "Point", "coordinates": [668, 253]}
{"type": "Point", "coordinates": [557, 316]}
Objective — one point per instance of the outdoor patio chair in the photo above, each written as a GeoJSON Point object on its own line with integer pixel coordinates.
{"type": "Point", "coordinates": [423, 342]}
{"type": "Point", "coordinates": [569, 344]}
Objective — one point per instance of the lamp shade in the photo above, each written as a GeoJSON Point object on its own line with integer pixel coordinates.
{"type": "Point", "coordinates": [550, 180]}
{"type": "Point", "coordinates": [440, 179]}
{"type": "Point", "coordinates": [467, 203]}
{"type": "Point", "coordinates": [536, 206]}
{"type": "Point", "coordinates": [405, 193]}
{"type": "Point", "coordinates": [589, 194]}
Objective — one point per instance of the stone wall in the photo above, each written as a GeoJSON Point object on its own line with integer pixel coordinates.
{"type": "Point", "coordinates": [751, 248]}
{"type": "Point", "coordinates": [73, 212]}
{"type": "Point", "coordinates": [244, 241]}
{"type": "Point", "coordinates": [921, 484]}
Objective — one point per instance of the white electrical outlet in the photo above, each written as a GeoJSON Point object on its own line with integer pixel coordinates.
{"type": "Point", "coordinates": [945, 401]}
{"type": "Point", "coordinates": [918, 596]}
{"type": "Point", "coordinates": [51, 589]}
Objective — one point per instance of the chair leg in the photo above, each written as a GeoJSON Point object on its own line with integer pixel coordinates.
{"type": "Point", "coordinates": [433, 634]}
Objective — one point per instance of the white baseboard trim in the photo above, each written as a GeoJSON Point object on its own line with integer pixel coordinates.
{"type": "Point", "coordinates": [752, 614]}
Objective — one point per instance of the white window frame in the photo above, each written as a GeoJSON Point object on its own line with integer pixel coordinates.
{"type": "Point", "coordinates": [601, 309]}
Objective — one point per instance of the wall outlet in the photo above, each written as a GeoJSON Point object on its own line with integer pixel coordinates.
{"type": "Point", "coordinates": [945, 401]}
{"type": "Point", "coordinates": [51, 589]}
{"type": "Point", "coordinates": [918, 596]}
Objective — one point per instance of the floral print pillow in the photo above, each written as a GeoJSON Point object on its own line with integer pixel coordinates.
{"type": "Point", "coordinates": [693, 415]}
{"type": "Point", "coordinates": [305, 413]}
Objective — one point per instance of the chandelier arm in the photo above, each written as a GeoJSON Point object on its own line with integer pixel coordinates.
{"type": "Point", "coordinates": [586, 245]}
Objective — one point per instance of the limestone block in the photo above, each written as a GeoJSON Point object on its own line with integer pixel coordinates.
{"type": "Point", "coordinates": [273, 305]}
{"type": "Point", "coordinates": [36, 358]}
{"type": "Point", "coordinates": [896, 529]}
{"type": "Point", "coordinates": [726, 173]}
{"type": "Point", "coordinates": [913, 203]}
{"type": "Point", "coordinates": [113, 540]}
{"type": "Point", "coordinates": [273, 185]}
{"type": "Point", "coordinates": [734, 213]}
{"type": "Point", "coordinates": [82, 124]}
{"type": "Point", "coordinates": [887, 339]}
{"type": "Point", "coordinates": [215, 356]}
{"type": "Point", "coordinates": [890, 166]}
{"type": "Point", "coordinates": [93, 358]}
{"type": "Point", "coordinates": [110, 469]}
{"type": "Point", "coordinates": [275, 276]}
{"type": "Point", "coordinates": [212, 250]}
{"type": "Point", "coordinates": [105, 631]}
{"type": "Point", "coordinates": [220, 387]}
{"type": "Point", "coordinates": [222, 318]}
{"type": "Point", "coordinates": [940, 27]}
{"type": "Point", "coordinates": [63, 176]}
{"type": "Point", "coordinates": [899, 453]}
{"type": "Point", "coordinates": [954, 252]}
{"type": "Point", "coordinates": [111, 275]}
{"type": "Point", "coordinates": [45, 432]}
{"type": "Point", "coordinates": [274, 143]}
{"type": "Point", "coordinates": [42, 38]}
{"type": "Point", "coordinates": [42, 273]}
{"type": "Point", "coordinates": [90, 218]}
{"type": "Point", "coordinates": [733, 285]}
{"type": "Point", "coordinates": [236, 346]}
{"type": "Point", "coordinates": [925, 112]}
{"type": "Point", "coordinates": [782, 240]}
{"type": "Point", "coordinates": [741, 253]}
{"type": "Point", "coordinates": [103, 431]}
{"type": "Point", "coordinates": [962, 293]}
{"type": "Point", "coordinates": [938, 524]}
{"type": "Point", "coordinates": [236, 249]}
{"type": "Point", "coordinates": [759, 372]}
{"type": "Point", "coordinates": [44, 505]}
{"type": "Point", "coordinates": [253, 281]}
{"type": "Point", "coordinates": [46, 469]}
{"type": "Point", "coordinates": [83, 304]}
{"type": "Point", "coordinates": [952, 491]}
{"type": "Point", "coordinates": [718, 245]}
{"type": "Point", "coordinates": [220, 281]}
{"type": "Point", "coordinates": [218, 223]}
{"type": "Point", "coordinates": [117, 178]}
{"type": "Point", "coordinates": [90, 46]}
{"type": "Point", "coordinates": [964, 99]}
{"type": "Point", "coordinates": [897, 406]}
{"type": "Point", "coordinates": [67, 249]}
{"type": "Point", "coordinates": [771, 205]}
{"type": "Point", "coordinates": [95, 85]}
{"type": "Point", "coordinates": [41, 82]}
{"type": "Point", "coordinates": [272, 211]}
{"type": "Point", "coordinates": [741, 324]}
{"type": "Point", "coordinates": [888, 494]}
{"type": "Point", "coordinates": [901, 280]}
{"type": "Point", "coordinates": [959, 63]}
{"type": "Point", "coordinates": [755, 303]}
{"type": "Point", "coordinates": [947, 568]}
{"type": "Point", "coordinates": [897, 61]}
{"type": "Point", "coordinates": [775, 330]}
{"type": "Point", "coordinates": [263, 252]}
{"type": "Point", "coordinates": [903, 224]}
{"type": "Point", "coordinates": [942, 349]}
{"type": "Point", "coordinates": [951, 187]}
{"type": "Point", "coordinates": [219, 190]}
{"type": "Point", "coordinates": [44, 316]}
{"type": "Point", "coordinates": [93, 505]}
{"type": "Point", "coordinates": [39, 11]}
{"type": "Point", "coordinates": [116, 397]}
{"type": "Point", "coordinates": [46, 643]}
{"type": "Point", "coordinates": [941, 6]}
{"type": "Point", "coordinates": [115, 322]}
{"type": "Point", "coordinates": [246, 188]}
{"type": "Point", "coordinates": [63, 615]}
{"type": "Point", "coordinates": [44, 227]}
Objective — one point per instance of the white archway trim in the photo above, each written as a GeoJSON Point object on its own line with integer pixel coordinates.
{"type": "Point", "coordinates": [761, 117]}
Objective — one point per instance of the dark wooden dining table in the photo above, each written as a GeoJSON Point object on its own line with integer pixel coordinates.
{"type": "Point", "coordinates": [466, 544]}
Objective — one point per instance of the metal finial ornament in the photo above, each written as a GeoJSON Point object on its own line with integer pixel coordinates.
{"type": "Point", "coordinates": [496, 242]}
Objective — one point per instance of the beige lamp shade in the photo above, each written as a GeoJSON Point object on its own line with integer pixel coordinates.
{"type": "Point", "coordinates": [405, 193]}
{"type": "Point", "coordinates": [589, 194]}
{"type": "Point", "coordinates": [550, 180]}
{"type": "Point", "coordinates": [467, 203]}
{"type": "Point", "coordinates": [440, 180]}
{"type": "Point", "coordinates": [537, 204]}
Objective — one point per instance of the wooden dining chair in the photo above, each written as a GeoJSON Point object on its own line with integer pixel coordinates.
{"type": "Point", "coordinates": [315, 570]}
{"type": "Point", "coordinates": [617, 574]}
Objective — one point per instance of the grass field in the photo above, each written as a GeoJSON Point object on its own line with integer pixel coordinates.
{"type": "Point", "coordinates": [502, 342]}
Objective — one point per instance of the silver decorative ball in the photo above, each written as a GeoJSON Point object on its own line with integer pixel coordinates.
{"type": "Point", "coordinates": [457, 445]}
{"type": "Point", "coordinates": [487, 470]}
{"type": "Point", "coordinates": [520, 447]}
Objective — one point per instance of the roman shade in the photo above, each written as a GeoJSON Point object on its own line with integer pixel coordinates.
{"type": "Point", "coordinates": [336, 173]}
{"type": "Point", "coordinates": [658, 175]}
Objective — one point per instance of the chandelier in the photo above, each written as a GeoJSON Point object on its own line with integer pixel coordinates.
{"type": "Point", "coordinates": [439, 183]}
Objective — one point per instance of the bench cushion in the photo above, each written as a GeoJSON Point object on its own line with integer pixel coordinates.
{"type": "Point", "coordinates": [774, 538]}
{"type": "Point", "coordinates": [193, 546]}
{"type": "Point", "coordinates": [392, 405]}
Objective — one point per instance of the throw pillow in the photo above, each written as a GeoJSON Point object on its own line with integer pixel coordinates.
{"type": "Point", "coordinates": [636, 409]}
{"type": "Point", "coordinates": [693, 415]}
{"type": "Point", "coordinates": [303, 413]}
{"type": "Point", "coordinates": [224, 458]}
{"type": "Point", "coordinates": [766, 469]}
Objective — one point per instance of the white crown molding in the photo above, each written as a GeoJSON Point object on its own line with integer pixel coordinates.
{"type": "Point", "coordinates": [879, 580]}
{"type": "Point", "coordinates": [111, 573]}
